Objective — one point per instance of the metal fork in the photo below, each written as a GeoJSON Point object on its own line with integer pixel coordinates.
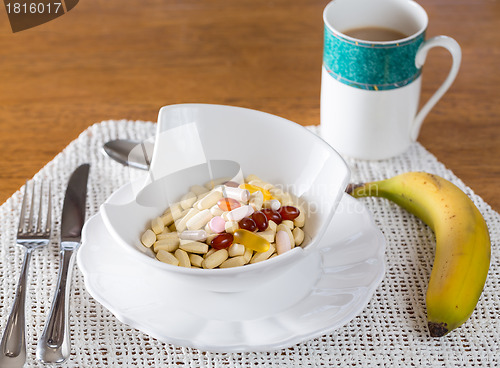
{"type": "Point", "coordinates": [31, 235]}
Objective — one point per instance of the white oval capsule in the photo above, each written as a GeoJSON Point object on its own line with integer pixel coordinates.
{"type": "Point", "coordinates": [283, 243]}
{"type": "Point", "coordinates": [300, 219]}
{"type": "Point", "coordinates": [188, 200]}
{"type": "Point", "coordinates": [164, 234]}
{"type": "Point", "coordinates": [183, 258]}
{"type": "Point", "coordinates": [216, 211]}
{"type": "Point", "coordinates": [215, 259]}
{"type": "Point", "coordinates": [196, 260]}
{"type": "Point", "coordinates": [233, 262]}
{"type": "Point", "coordinates": [248, 255]}
{"type": "Point", "coordinates": [262, 256]}
{"type": "Point", "coordinates": [209, 253]}
{"type": "Point", "coordinates": [238, 213]}
{"type": "Point", "coordinates": [180, 224]}
{"type": "Point", "coordinates": [209, 200]}
{"type": "Point", "coordinates": [267, 234]}
{"type": "Point", "coordinates": [173, 213]}
{"type": "Point", "coordinates": [231, 226]}
{"type": "Point", "coordinates": [256, 200]}
{"type": "Point", "coordinates": [198, 190]}
{"type": "Point", "coordinates": [196, 235]}
{"type": "Point", "coordinates": [148, 238]}
{"type": "Point", "coordinates": [169, 244]}
{"type": "Point", "coordinates": [167, 257]}
{"type": "Point", "coordinates": [157, 225]}
{"type": "Point", "coordinates": [288, 224]}
{"type": "Point", "coordinates": [194, 247]}
{"type": "Point", "coordinates": [236, 249]}
{"type": "Point", "coordinates": [273, 204]}
{"type": "Point", "coordinates": [237, 193]}
{"type": "Point", "coordinates": [286, 229]}
{"type": "Point", "coordinates": [199, 220]}
{"type": "Point", "coordinates": [298, 235]}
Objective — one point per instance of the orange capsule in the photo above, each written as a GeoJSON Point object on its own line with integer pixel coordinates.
{"type": "Point", "coordinates": [251, 240]}
{"type": "Point", "coordinates": [228, 204]}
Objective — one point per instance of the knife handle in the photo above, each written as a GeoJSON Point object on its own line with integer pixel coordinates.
{"type": "Point", "coordinates": [54, 344]}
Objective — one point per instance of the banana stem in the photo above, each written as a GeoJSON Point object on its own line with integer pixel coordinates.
{"type": "Point", "coordinates": [359, 190]}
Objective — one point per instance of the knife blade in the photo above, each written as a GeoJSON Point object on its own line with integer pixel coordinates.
{"type": "Point", "coordinates": [73, 215]}
{"type": "Point", "coordinates": [54, 344]}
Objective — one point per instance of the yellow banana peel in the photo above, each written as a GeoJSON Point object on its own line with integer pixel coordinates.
{"type": "Point", "coordinates": [463, 247]}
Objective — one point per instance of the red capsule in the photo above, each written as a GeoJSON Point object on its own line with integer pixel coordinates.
{"type": "Point", "coordinates": [260, 220]}
{"type": "Point", "coordinates": [248, 224]}
{"type": "Point", "coordinates": [222, 241]}
{"type": "Point", "coordinates": [289, 212]}
{"type": "Point", "coordinates": [272, 215]}
{"type": "Point", "coordinates": [228, 204]}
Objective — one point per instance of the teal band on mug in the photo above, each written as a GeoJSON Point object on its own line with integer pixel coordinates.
{"type": "Point", "coordinates": [371, 66]}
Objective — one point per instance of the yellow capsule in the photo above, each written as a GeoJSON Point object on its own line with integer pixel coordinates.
{"type": "Point", "coordinates": [253, 188]}
{"type": "Point", "coordinates": [251, 240]}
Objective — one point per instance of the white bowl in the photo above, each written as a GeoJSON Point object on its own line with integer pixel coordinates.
{"type": "Point", "coordinates": [233, 140]}
{"type": "Point", "coordinates": [257, 320]}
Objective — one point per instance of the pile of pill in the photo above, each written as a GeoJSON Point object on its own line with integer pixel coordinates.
{"type": "Point", "coordinates": [225, 224]}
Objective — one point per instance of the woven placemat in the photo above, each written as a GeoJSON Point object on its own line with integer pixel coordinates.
{"type": "Point", "coordinates": [390, 332]}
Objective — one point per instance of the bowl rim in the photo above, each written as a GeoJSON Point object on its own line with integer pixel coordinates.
{"type": "Point", "coordinates": [250, 267]}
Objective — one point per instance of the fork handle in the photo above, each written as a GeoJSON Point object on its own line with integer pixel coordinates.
{"type": "Point", "coordinates": [13, 345]}
{"type": "Point", "coordinates": [54, 344]}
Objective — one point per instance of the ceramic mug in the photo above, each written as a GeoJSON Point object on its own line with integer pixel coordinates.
{"type": "Point", "coordinates": [370, 89]}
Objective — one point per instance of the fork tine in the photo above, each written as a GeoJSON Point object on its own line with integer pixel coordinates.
{"type": "Point", "coordinates": [48, 224]}
{"type": "Point", "coordinates": [39, 217]}
{"type": "Point", "coordinates": [32, 209]}
{"type": "Point", "coordinates": [23, 209]}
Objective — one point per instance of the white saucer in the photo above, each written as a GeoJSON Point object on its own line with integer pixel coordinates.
{"type": "Point", "coordinates": [352, 265]}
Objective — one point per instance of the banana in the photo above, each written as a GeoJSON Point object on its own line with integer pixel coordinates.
{"type": "Point", "coordinates": [463, 247]}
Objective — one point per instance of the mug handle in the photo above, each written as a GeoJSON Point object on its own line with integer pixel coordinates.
{"type": "Point", "coordinates": [456, 53]}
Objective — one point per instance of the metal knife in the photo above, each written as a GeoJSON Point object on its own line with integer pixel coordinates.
{"type": "Point", "coordinates": [54, 344]}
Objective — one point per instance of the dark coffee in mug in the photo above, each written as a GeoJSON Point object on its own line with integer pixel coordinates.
{"type": "Point", "coordinates": [375, 34]}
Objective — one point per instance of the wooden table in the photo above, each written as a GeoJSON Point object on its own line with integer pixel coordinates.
{"type": "Point", "coordinates": [114, 59]}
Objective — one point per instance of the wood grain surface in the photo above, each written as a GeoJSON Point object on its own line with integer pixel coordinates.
{"type": "Point", "coordinates": [123, 59]}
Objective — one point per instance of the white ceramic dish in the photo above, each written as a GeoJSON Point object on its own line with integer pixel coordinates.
{"type": "Point", "coordinates": [351, 266]}
{"type": "Point", "coordinates": [246, 142]}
